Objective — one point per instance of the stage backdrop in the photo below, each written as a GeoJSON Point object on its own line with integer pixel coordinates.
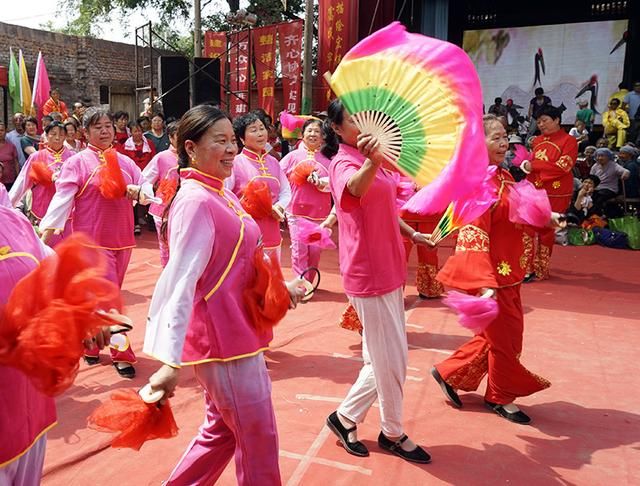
{"type": "Point", "coordinates": [582, 61]}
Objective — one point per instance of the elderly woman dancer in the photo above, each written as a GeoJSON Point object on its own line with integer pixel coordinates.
{"type": "Point", "coordinates": [254, 164]}
{"type": "Point", "coordinates": [372, 261]}
{"type": "Point", "coordinates": [311, 198]}
{"type": "Point", "coordinates": [491, 256]}
{"type": "Point", "coordinates": [162, 173]}
{"type": "Point", "coordinates": [88, 186]}
{"type": "Point", "coordinates": [52, 157]}
{"type": "Point", "coordinates": [198, 314]}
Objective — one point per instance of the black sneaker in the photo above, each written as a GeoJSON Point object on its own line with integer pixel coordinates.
{"type": "Point", "coordinates": [418, 455]}
{"type": "Point", "coordinates": [91, 360]}
{"type": "Point", "coordinates": [449, 392]}
{"type": "Point", "coordinates": [356, 448]}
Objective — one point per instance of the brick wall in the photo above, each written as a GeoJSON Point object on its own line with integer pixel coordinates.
{"type": "Point", "coordinates": [78, 66]}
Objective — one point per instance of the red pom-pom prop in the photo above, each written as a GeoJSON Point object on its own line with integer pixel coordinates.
{"type": "Point", "coordinates": [301, 172]}
{"type": "Point", "coordinates": [313, 234]}
{"type": "Point", "coordinates": [39, 172]}
{"type": "Point", "coordinates": [528, 205]}
{"type": "Point", "coordinates": [474, 313]}
{"type": "Point", "coordinates": [267, 299]}
{"type": "Point", "coordinates": [112, 184]}
{"type": "Point", "coordinates": [256, 199]}
{"type": "Point", "coordinates": [167, 189]}
{"type": "Point", "coordinates": [133, 419]}
{"type": "Point", "coordinates": [52, 310]}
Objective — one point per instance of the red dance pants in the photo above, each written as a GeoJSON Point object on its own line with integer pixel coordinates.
{"type": "Point", "coordinates": [426, 282]}
{"type": "Point", "coordinates": [495, 352]}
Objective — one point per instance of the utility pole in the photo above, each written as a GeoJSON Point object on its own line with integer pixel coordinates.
{"type": "Point", "coordinates": [197, 48]}
{"type": "Point", "coordinates": [307, 79]}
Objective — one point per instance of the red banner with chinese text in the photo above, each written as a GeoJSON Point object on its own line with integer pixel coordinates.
{"type": "Point", "coordinates": [338, 33]}
{"type": "Point", "coordinates": [290, 43]}
{"type": "Point", "coordinates": [239, 73]}
{"type": "Point", "coordinates": [264, 51]}
{"type": "Point", "coordinates": [215, 46]}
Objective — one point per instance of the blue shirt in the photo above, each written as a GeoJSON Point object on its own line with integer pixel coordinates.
{"type": "Point", "coordinates": [633, 100]}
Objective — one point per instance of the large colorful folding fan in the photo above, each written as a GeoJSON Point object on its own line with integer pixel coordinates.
{"type": "Point", "coordinates": [421, 98]}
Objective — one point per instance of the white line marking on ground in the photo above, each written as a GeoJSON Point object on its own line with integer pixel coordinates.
{"type": "Point", "coordinates": [327, 462]}
{"type": "Point", "coordinates": [415, 326]}
{"type": "Point", "coordinates": [414, 378]}
{"type": "Point", "coordinates": [296, 477]}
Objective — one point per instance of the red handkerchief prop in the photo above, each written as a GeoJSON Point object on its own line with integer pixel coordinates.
{"type": "Point", "coordinates": [267, 299]}
{"type": "Point", "coordinates": [52, 310]}
{"type": "Point", "coordinates": [256, 199]}
{"type": "Point", "coordinates": [134, 420]}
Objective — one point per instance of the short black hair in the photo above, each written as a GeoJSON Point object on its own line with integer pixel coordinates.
{"type": "Point", "coordinates": [241, 123]}
{"type": "Point", "coordinates": [539, 91]}
{"type": "Point", "coordinates": [552, 112]}
{"type": "Point", "coordinates": [55, 124]}
{"type": "Point", "coordinates": [498, 100]}
{"type": "Point", "coordinates": [594, 178]}
{"type": "Point", "coordinates": [120, 114]}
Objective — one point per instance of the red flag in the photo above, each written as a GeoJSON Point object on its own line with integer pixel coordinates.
{"type": "Point", "coordinates": [338, 33]}
{"type": "Point", "coordinates": [290, 41]}
{"type": "Point", "coordinates": [215, 46]}
{"type": "Point", "coordinates": [264, 50]}
{"type": "Point", "coordinates": [239, 73]}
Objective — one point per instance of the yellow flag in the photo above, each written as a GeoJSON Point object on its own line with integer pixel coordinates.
{"type": "Point", "coordinates": [25, 89]}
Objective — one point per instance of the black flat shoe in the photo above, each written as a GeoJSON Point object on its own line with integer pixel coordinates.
{"type": "Point", "coordinates": [449, 392]}
{"type": "Point", "coordinates": [518, 417]}
{"type": "Point", "coordinates": [356, 448]}
{"type": "Point", "coordinates": [418, 455]}
{"type": "Point", "coordinates": [528, 278]}
{"type": "Point", "coordinates": [126, 372]}
{"type": "Point", "coordinates": [91, 360]}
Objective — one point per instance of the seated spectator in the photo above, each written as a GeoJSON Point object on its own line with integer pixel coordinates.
{"type": "Point", "coordinates": [615, 122]}
{"type": "Point", "coordinates": [145, 122]}
{"type": "Point", "coordinates": [628, 158]}
{"type": "Point", "coordinates": [602, 143]}
{"type": "Point", "coordinates": [582, 206]}
{"type": "Point", "coordinates": [584, 162]}
{"type": "Point", "coordinates": [585, 114]}
{"type": "Point", "coordinates": [580, 133]}
{"type": "Point", "coordinates": [609, 172]}
{"type": "Point", "coordinates": [498, 109]}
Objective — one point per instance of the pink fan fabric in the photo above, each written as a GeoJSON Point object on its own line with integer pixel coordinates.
{"type": "Point", "coordinates": [528, 205]}
{"type": "Point", "coordinates": [474, 313]}
{"type": "Point", "coordinates": [405, 188]}
{"type": "Point", "coordinates": [312, 234]}
{"type": "Point", "coordinates": [477, 201]}
{"type": "Point", "coordinates": [521, 154]}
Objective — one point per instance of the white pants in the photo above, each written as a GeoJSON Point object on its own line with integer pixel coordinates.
{"type": "Point", "coordinates": [384, 349]}
{"type": "Point", "coordinates": [27, 470]}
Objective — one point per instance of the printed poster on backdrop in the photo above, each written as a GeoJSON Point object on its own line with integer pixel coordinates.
{"type": "Point", "coordinates": [290, 43]}
{"type": "Point", "coordinates": [571, 62]}
{"type": "Point", "coordinates": [264, 51]}
{"type": "Point", "coordinates": [239, 73]}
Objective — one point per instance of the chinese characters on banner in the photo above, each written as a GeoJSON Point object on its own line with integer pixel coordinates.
{"type": "Point", "coordinates": [290, 41]}
{"type": "Point", "coordinates": [239, 73]}
{"type": "Point", "coordinates": [338, 32]}
{"type": "Point", "coordinates": [215, 45]}
{"type": "Point", "coordinates": [264, 50]}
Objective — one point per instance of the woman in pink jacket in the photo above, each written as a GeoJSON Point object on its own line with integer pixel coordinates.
{"type": "Point", "coordinates": [310, 196]}
{"type": "Point", "coordinates": [98, 185]}
{"type": "Point", "coordinates": [198, 316]}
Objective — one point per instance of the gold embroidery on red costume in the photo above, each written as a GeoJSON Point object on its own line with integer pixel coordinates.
{"type": "Point", "coordinates": [426, 282]}
{"type": "Point", "coordinates": [472, 238]}
{"type": "Point", "coordinates": [542, 155]}
{"type": "Point", "coordinates": [504, 268]}
{"type": "Point", "coordinates": [565, 163]}
{"type": "Point", "coordinates": [467, 378]}
{"type": "Point", "coordinates": [527, 243]}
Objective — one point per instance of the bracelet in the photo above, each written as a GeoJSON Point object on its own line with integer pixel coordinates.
{"type": "Point", "coordinates": [413, 236]}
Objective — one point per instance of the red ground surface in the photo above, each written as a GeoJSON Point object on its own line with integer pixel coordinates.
{"type": "Point", "coordinates": [582, 331]}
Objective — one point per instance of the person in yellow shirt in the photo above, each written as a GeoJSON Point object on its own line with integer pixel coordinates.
{"type": "Point", "coordinates": [620, 94]}
{"type": "Point", "coordinates": [615, 122]}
